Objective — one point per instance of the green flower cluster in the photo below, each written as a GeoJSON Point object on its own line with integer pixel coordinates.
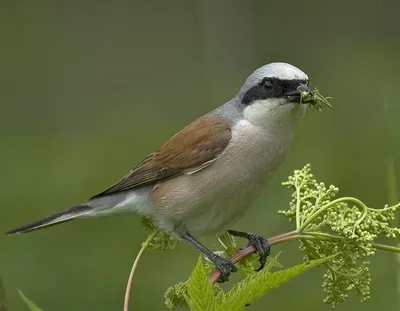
{"type": "Point", "coordinates": [339, 233]}
{"type": "Point", "coordinates": [344, 227]}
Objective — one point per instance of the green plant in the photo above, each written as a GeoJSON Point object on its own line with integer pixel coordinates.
{"type": "Point", "coordinates": [3, 304]}
{"type": "Point", "coordinates": [29, 303]}
{"type": "Point", "coordinates": [199, 294]}
{"type": "Point", "coordinates": [339, 233]}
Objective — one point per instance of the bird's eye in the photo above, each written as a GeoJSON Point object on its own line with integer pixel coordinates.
{"type": "Point", "coordinates": [268, 85]}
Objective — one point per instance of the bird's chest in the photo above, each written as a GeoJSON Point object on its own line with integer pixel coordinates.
{"type": "Point", "coordinates": [212, 199]}
{"type": "Point", "coordinates": [254, 153]}
{"type": "Point", "coordinates": [248, 164]}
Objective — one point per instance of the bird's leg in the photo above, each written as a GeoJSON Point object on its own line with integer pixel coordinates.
{"type": "Point", "coordinates": [224, 265]}
{"type": "Point", "coordinates": [261, 244]}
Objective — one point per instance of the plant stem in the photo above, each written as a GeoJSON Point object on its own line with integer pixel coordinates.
{"type": "Point", "coordinates": [293, 235]}
{"type": "Point", "coordinates": [325, 207]}
{"type": "Point", "coordinates": [134, 267]}
{"type": "Point", "coordinates": [289, 236]}
{"type": "Point", "coordinates": [385, 247]}
{"type": "Point", "coordinates": [298, 206]}
{"type": "Point", "coordinates": [327, 236]}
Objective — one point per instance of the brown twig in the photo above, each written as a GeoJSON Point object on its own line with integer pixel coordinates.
{"type": "Point", "coordinates": [293, 235]}
{"type": "Point", "coordinates": [288, 236]}
{"type": "Point", "coordinates": [133, 270]}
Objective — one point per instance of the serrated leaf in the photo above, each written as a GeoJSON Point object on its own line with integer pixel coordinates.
{"type": "Point", "coordinates": [200, 293]}
{"type": "Point", "coordinates": [255, 286]}
{"type": "Point", "coordinates": [29, 303]}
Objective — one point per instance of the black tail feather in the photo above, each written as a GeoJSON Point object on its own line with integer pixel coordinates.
{"type": "Point", "coordinates": [51, 220]}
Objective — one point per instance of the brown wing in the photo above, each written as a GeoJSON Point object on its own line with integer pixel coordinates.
{"type": "Point", "coordinates": [197, 145]}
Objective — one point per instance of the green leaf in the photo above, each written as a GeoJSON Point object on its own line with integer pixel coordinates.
{"type": "Point", "coordinates": [3, 305]}
{"type": "Point", "coordinates": [200, 293]}
{"type": "Point", "coordinates": [29, 303]}
{"type": "Point", "coordinates": [177, 296]}
{"type": "Point", "coordinates": [257, 285]}
{"type": "Point", "coordinates": [162, 240]}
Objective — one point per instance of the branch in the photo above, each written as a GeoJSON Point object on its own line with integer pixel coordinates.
{"type": "Point", "coordinates": [293, 235]}
{"type": "Point", "coordinates": [289, 236]}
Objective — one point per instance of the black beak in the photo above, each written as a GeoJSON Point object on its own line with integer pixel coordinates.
{"type": "Point", "coordinates": [295, 96]}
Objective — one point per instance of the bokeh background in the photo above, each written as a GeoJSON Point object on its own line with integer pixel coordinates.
{"type": "Point", "coordinates": [89, 88]}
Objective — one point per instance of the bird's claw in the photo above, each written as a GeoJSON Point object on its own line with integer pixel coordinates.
{"type": "Point", "coordinates": [226, 267]}
{"type": "Point", "coordinates": [263, 248]}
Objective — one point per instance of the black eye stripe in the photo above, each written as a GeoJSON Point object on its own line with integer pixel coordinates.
{"type": "Point", "coordinates": [281, 87]}
{"type": "Point", "coordinates": [285, 83]}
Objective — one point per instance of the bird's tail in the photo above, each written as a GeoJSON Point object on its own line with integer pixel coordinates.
{"type": "Point", "coordinates": [57, 218]}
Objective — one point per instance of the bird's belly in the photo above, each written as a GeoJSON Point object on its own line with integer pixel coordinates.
{"type": "Point", "coordinates": [222, 208]}
{"type": "Point", "coordinates": [211, 200]}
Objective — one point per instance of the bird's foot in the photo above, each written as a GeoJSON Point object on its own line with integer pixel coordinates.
{"type": "Point", "coordinates": [225, 266]}
{"type": "Point", "coordinates": [261, 244]}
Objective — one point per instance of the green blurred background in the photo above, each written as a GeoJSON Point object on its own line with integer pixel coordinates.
{"type": "Point", "coordinates": [89, 88]}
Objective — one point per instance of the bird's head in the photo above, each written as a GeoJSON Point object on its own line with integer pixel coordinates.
{"type": "Point", "coordinates": [271, 95]}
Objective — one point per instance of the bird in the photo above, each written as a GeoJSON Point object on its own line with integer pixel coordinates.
{"type": "Point", "coordinates": [205, 178]}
